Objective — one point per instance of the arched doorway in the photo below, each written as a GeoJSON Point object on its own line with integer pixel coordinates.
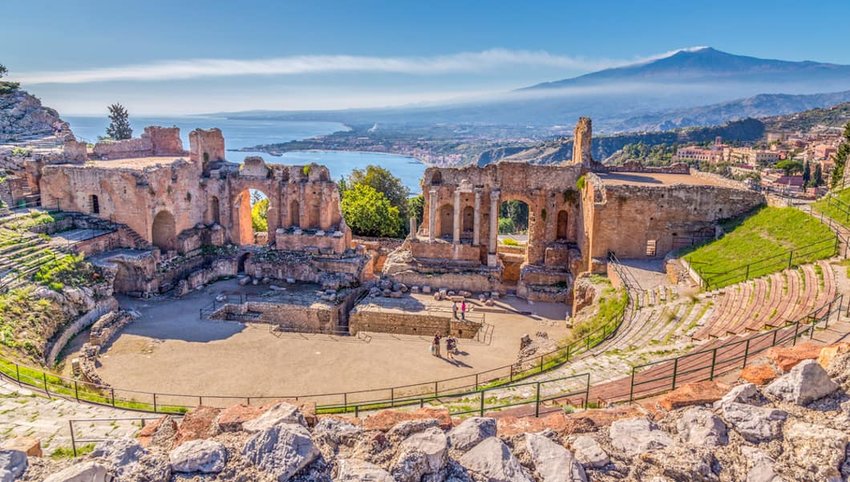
{"type": "Point", "coordinates": [563, 227]}
{"type": "Point", "coordinates": [241, 264]}
{"type": "Point", "coordinates": [164, 231]}
{"type": "Point", "coordinates": [447, 220]}
{"type": "Point", "coordinates": [253, 213]}
{"type": "Point", "coordinates": [513, 238]}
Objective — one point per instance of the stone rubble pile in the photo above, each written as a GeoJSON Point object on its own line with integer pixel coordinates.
{"type": "Point", "coordinates": [796, 428]}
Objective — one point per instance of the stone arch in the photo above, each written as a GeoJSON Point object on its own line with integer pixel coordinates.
{"type": "Point", "coordinates": [563, 225]}
{"type": "Point", "coordinates": [164, 231]}
{"type": "Point", "coordinates": [446, 220]}
{"type": "Point", "coordinates": [242, 208]}
{"type": "Point", "coordinates": [295, 214]}
{"type": "Point", "coordinates": [468, 219]}
{"type": "Point", "coordinates": [215, 210]}
{"type": "Point", "coordinates": [437, 178]}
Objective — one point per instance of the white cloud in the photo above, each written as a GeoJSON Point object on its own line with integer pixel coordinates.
{"type": "Point", "coordinates": [465, 62]}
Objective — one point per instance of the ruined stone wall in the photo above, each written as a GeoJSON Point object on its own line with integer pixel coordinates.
{"type": "Point", "coordinates": [582, 142]}
{"type": "Point", "coordinates": [292, 316]}
{"type": "Point", "coordinates": [131, 196]}
{"type": "Point", "coordinates": [636, 166]}
{"type": "Point", "coordinates": [154, 141]}
{"type": "Point", "coordinates": [549, 192]}
{"type": "Point", "coordinates": [624, 219]}
{"type": "Point", "coordinates": [408, 324]}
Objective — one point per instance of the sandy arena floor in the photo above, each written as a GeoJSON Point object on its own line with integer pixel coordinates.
{"type": "Point", "coordinates": [170, 350]}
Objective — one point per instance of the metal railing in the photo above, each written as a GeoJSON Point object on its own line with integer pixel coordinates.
{"type": "Point", "coordinates": [661, 376]}
{"type": "Point", "coordinates": [54, 385]}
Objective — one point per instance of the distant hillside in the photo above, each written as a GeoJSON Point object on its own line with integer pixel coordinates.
{"type": "Point", "coordinates": [762, 105]}
{"type": "Point", "coordinates": [835, 116]}
{"type": "Point", "coordinates": [602, 147]}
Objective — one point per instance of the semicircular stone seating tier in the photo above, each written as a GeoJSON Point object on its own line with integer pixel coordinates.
{"type": "Point", "coordinates": [673, 326]}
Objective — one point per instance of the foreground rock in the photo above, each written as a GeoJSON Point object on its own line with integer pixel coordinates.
{"type": "Point", "coordinates": [552, 461]}
{"type": "Point", "coordinates": [420, 455]}
{"type": "Point", "coordinates": [471, 432]}
{"type": "Point", "coordinates": [755, 424]}
{"type": "Point", "coordinates": [204, 456]}
{"type": "Point", "coordinates": [13, 463]}
{"type": "Point", "coordinates": [493, 461]}
{"type": "Point", "coordinates": [83, 472]}
{"type": "Point", "coordinates": [355, 470]}
{"type": "Point", "coordinates": [282, 450]}
{"type": "Point", "coordinates": [637, 435]}
{"type": "Point", "coordinates": [806, 383]}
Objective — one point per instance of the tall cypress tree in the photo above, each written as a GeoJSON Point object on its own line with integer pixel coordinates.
{"type": "Point", "coordinates": [807, 174]}
{"type": "Point", "coordinates": [119, 123]}
{"type": "Point", "coordinates": [841, 159]}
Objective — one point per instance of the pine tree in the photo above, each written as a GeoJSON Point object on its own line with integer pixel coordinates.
{"type": "Point", "coordinates": [840, 159]}
{"type": "Point", "coordinates": [119, 123]}
{"type": "Point", "coordinates": [3, 71]}
{"type": "Point", "coordinates": [807, 174]}
{"type": "Point", "coordinates": [818, 175]}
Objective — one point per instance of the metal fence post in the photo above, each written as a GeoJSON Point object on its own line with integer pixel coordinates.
{"type": "Point", "coordinates": [790, 258]}
{"type": "Point", "coordinates": [154, 403]}
{"type": "Point", "coordinates": [44, 379]}
{"type": "Point", "coordinates": [481, 404]}
{"type": "Point", "coordinates": [73, 439]}
{"type": "Point", "coordinates": [18, 373]}
{"type": "Point", "coordinates": [746, 353]}
{"type": "Point", "coordinates": [587, 392]}
{"type": "Point", "coordinates": [713, 361]}
{"type": "Point", "coordinates": [76, 391]}
{"type": "Point", "coordinates": [675, 371]}
{"type": "Point", "coordinates": [113, 396]}
{"type": "Point", "coordinates": [537, 401]}
{"type": "Point", "coordinates": [796, 332]}
{"type": "Point", "coordinates": [632, 386]}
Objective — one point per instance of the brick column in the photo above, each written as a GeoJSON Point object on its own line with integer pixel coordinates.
{"type": "Point", "coordinates": [494, 227]}
{"type": "Point", "coordinates": [432, 215]}
{"type": "Point", "coordinates": [456, 225]}
{"type": "Point", "coordinates": [476, 219]}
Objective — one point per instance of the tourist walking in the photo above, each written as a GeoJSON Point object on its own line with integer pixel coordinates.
{"type": "Point", "coordinates": [435, 345]}
{"type": "Point", "coordinates": [463, 310]}
{"type": "Point", "coordinates": [451, 347]}
{"type": "Point", "coordinates": [454, 310]}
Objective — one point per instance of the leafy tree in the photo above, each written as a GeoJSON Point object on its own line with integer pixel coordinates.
{"type": "Point", "coordinates": [416, 207]}
{"type": "Point", "coordinates": [807, 174]}
{"type": "Point", "coordinates": [6, 87]}
{"type": "Point", "coordinates": [119, 123]}
{"type": "Point", "coordinates": [383, 181]}
{"type": "Point", "coordinates": [841, 159]}
{"type": "Point", "coordinates": [260, 216]}
{"type": "Point", "coordinates": [790, 166]}
{"type": "Point", "coordinates": [3, 71]}
{"type": "Point", "coordinates": [517, 213]}
{"type": "Point", "coordinates": [506, 226]}
{"type": "Point", "coordinates": [369, 212]}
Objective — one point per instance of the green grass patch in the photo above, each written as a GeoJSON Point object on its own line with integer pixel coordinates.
{"type": "Point", "coordinates": [837, 209]}
{"type": "Point", "coordinates": [510, 242]}
{"type": "Point", "coordinates": [764, 242]}
{"type": "Point", "coordinates": [68, 452]}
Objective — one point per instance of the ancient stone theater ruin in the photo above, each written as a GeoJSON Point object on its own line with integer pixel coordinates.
{"type": "Point", "coordinates": [186, 215]}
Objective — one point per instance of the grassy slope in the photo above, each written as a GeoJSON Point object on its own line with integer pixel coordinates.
{"type": "Point", "coordinates": [762, 240]}
{"type": "Point", "coordinates": [837, 211]}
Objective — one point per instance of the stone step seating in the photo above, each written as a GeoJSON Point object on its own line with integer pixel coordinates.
{"type": "Point", "coordinates": [658, 295]}
{"type": "Point", "coordinates": [768, 301]}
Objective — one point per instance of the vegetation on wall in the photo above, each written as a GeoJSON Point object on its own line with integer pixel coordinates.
{"type": "Point", "coordinates": [611, 305]}
{"type": "Point", "coordinates": [66, 270]}
{"type": "Point", "coordinates": [513, 217]}
{"type": "Point", "coordinates": [6, 87]}
{"type": "Point", "coordinates": [25, 321]}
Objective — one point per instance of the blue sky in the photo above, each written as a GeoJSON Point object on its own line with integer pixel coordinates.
{"type": "Point", "coordinates": [170, 57]}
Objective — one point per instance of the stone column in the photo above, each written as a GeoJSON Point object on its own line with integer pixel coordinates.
{"type": "Point", "coordinates": [476, 219]}
{"type": "Point", "coordinates": [456, 225]}
{"type": "Point", "coordinates": [412, 234]}
{"type": "Point", "coordinates": [494, 227]}
{"type": "Point", "coordinates": [432, 215]}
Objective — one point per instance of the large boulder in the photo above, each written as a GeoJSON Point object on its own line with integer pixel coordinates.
{"type": "Point", "coordinates": [159, 433]}
{"type": "Point", "coordinates": [755, 424]}
{"type": "Point", "coordinates": [335, 432]}
{"type": "Point", "coordinates": [356, 470]}
{"type": "Point", "coordinates": [384, 420]}
{"type": "Point", "coordinates": [119, 453]}
{"type": "Point", "coordinates": [279, 413]}
{"type": "Point", "coordinates": [761, 467]}
{"type": "Point", "coordinates": [471, 432]}
{"type": "Point", "coordinates": [204, 456]}
{"type": "Point", "coordinates": [589, 452]}
{"type": "Point", "coordinates": [817, 449]}
{"type": "Point", "coordinates": [744, 393]}
{"type": "Point", "coordinates": [787, 357]}
{"type": "Point", "coordinates": [493, 461]}
{"type": "Point", "coordinates": [805, 383]}
{"type": "Point", "coordinates": [282, 450]}
{"type": "Point", "coordinates": [420, 455]}
{"type": "Point", "coordinates": [700, 426]}
{"type": "Point", "coordinates": [697, 393]}
{"type": "Point", "coordinates": [552, 461]}
{"type": "Point", "coordinates": [83, 472]}
{"type": "Point", "coordinates": [232, 418]}
{"type": "Point", "coordinates": [637, 435]}
{"type": "Point", "coordinates": [402, 430]}
{"type": "Point", "coordinates": [13, 464]}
